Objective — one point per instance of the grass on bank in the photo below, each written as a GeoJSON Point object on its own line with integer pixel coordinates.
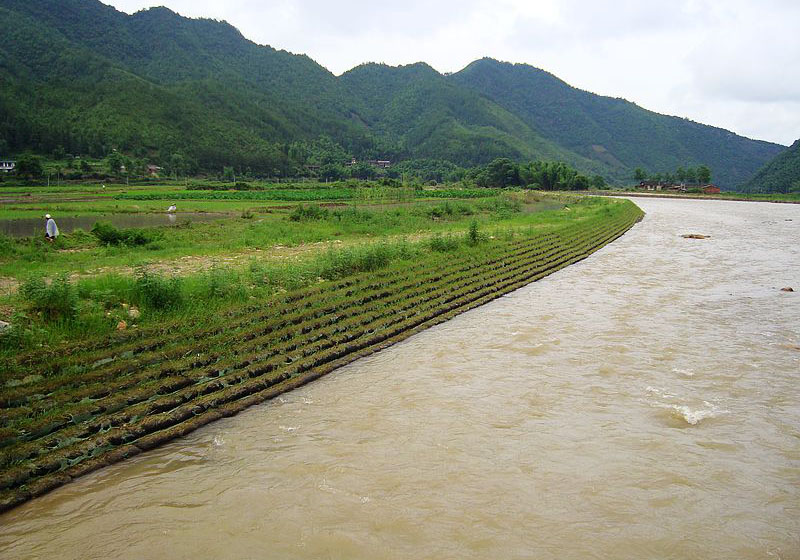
{"type": "Point", "coordinates": [48, 314]}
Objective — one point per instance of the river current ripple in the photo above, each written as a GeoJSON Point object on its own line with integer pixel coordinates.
{"type": "Point", "coordinates": [640, 404]}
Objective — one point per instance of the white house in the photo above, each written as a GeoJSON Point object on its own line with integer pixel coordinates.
{"type": "Point", "coordinates": [7, 165]}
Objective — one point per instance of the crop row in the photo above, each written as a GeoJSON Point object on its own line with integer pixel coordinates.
{"type": "Point", "coordinates": [178, 394]}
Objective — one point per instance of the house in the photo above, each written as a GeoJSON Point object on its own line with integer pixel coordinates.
{"type": "Point", "coordinates": [381, 163]}
{"type": "Point", "coordinates": [650, 186]}
{"type": "Point", "coordinates": [7, 165]}
{"type": "Point", "coordinates": [710, 189]}
{"type": "Point", "coordinates": [661, 186]}
{"type": "Point", "coordinates": [153, 170]}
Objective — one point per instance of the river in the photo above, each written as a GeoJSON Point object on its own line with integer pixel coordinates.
{"type": "Point", "coordinates": [644, 403]}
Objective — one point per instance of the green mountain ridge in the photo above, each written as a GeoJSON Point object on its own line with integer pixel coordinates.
{"type": "Point", "coordinates": [83, 76]}
{"type": "Point", "coordinates": [780, 174]}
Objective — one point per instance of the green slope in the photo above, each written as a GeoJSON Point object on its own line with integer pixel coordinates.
{"type": "Point", "coordinates": [429, 116]}
{"type": "Point", "coordinates": [781, 174]}
{"type": "Point", "coordinates": [614, 131]}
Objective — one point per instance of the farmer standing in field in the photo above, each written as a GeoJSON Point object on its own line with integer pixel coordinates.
{"type": "Point", "coordinates": [50, 228]}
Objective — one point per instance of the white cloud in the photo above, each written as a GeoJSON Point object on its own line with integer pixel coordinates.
{"type": "Point", "coordinates": [731, 64]}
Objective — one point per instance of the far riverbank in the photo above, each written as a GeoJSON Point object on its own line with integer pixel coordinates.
{"type": "Point", "coordinates": [783, 198]}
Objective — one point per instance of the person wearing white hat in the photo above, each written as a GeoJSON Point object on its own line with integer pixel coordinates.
{"type": "Point", "coordinates": [50, 228]}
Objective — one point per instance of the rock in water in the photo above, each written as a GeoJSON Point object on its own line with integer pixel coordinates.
{"type": "Point", "coordinates": [787, 289]}
{"type": "Point", "coordinates": [694, 236]}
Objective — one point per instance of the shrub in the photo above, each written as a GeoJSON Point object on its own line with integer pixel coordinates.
{"type": "Point", "coordinates": [155, 291]}
{"type": "Point", "coordinates": [222, 283]}
{"type": "Point", "coordinates": [7, 247]}
{"type": "Point", "coordinates": [57, 301]}
{"type": "Point", "coordinates": [107, 234]}
{"type": "Point", "coordinates": [444, 244]}
{"type": "Point", "coordinates": [341, 263]}
{"type": "Point", "coordinates": [304, 212]}
{"type": "Point", "coordinates": [473, 235]}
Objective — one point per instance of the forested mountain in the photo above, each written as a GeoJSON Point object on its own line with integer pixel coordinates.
{"type": "Point", "coordinates": [418, 108]}
{"type": "Point", "coordinates": [79, 75]}
{"type": "Point", "coordinates": [782, 174]}
{"type": "Point", "coordinates": [611, 130]}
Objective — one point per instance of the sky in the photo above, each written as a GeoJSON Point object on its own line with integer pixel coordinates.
{"type": "Point", "coordinates": [731, 63]}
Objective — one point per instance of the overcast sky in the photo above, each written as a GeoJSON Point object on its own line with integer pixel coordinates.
{"type": "Point", "coordinates": [728, 63]}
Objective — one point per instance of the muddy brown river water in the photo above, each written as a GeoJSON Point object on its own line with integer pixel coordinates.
{"type": "Point", "coordinates": [643, 403]}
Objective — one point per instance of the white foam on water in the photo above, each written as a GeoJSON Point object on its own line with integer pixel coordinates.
{"type": "Point", "coordinates": [683, 372]}
{"type": "Point", "coordinates": [695, 416]}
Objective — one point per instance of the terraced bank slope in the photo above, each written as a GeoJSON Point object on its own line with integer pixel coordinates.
{"type": "Point", "coordinates": [98, 402]}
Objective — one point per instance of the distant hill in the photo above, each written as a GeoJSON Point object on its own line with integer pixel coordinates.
{"type": "Point", "coordinates": [82, 76]}
{"type": "Point", "coordinates": [610, 130]}
{"type": "Point", "coordinates": [781, 174]}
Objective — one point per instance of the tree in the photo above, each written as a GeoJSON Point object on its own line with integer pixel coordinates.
{"type": "Point", "coordinates": [501, 173]}
{"type": "Point", "coordinates": [598, 182]}
{"type": "Point", "coordinates": [331, 172]}
{"type": "Point", "coordinates": [114, 163]}
{"type": "Point", "coordinates": [362, 170]}
{"type": "Point", "coordinates": [29, 167]}
{"type": "Point", "coordinates": [703, 174]}
{"type": "Point", "coordinates": [691, 175]}
{"type": "Point", "coordinates": [580, 183]}
{"type": "Point", "coordinates": [639, 174]}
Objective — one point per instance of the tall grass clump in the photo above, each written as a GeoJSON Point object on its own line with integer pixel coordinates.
{"type": "Point", "coordinates": [107, 234]}
{"type": "Point", "coordinates": [156, 292]}
{"type": "Point", "coordinates": [444, 243]}
{"type": "Point", "coordinates": [57, 301]}
{"type": "Point", "coordinates": [473, 235]}
{"type": "Point", "coordinates": [308, 212]}
{"type": "Point", "coordinates": [343, 262]}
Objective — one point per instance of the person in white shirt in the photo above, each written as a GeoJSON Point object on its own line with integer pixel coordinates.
{"type": "Point", "coordinates": [50, 228]}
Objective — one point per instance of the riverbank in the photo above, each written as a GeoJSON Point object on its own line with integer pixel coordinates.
{"type": "Point", "coordinates": [75, 408]}
{"type": "Point", "coordinates": [740, 197]}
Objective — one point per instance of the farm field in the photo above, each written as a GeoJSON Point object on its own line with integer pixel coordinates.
{"type": "Point", "coordinates": [99, 366]}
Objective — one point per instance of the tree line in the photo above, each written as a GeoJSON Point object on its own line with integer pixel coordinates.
{"type": "Point", "coordinates": [700, 175]}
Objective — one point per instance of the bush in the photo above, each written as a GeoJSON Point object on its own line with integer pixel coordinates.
{"type": "Point", "coordinates": [225, 284]}
{"type": "Point", "coordinates": [304, 212]}
{"type": "Point", "coordinates": [341, 263]}
{"type": "Point", "coordinates": [444, 244]}
{"type": "Point", "coordinates": [156, 292]}
{"type": "Point", "coordinates": [58, 301]}
{"type": "Point", "coordinates": [473, 236]}
{"type": "Point", "coordinates": [110, 235]}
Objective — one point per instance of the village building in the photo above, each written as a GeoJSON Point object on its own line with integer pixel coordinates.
{"type": "Point", "coordinates": [672, 187]}
{"type": "Point", "coordinates": [381, 163]}
{"type": "Point", "coordinates": [7, 165]}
